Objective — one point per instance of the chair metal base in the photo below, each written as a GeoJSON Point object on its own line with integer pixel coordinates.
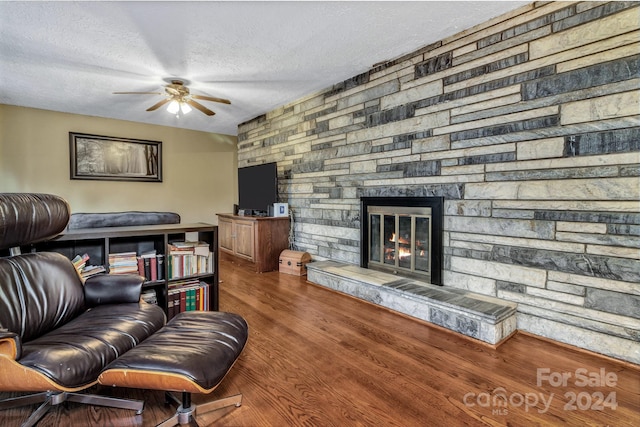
{"type": "Point", "coordinates": [53, 398]}
{"type": "Point", "coordinates": [187, 411]}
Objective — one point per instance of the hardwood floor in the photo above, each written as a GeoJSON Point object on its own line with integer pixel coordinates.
{"type": "Point", "coordinates": [319, 358]}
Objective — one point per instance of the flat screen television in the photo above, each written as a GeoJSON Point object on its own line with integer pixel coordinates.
{"type": "Point", "coordinates": [258, 188]}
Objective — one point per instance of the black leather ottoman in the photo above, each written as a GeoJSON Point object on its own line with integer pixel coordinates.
{"type": "Point", "coordinates": [192, 353]}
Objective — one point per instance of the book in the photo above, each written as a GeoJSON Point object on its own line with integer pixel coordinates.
{"type": "Point", "coordinates": [177, 249]}
{"type": "Point", "coordinates": [176, 302]}
{"type": "Point", "coordinates": [183, 301]}
{"type": "Point", "coordinates": [79, 261]}
{"type": "Point", "coordinates": [149, 260]}
{"type": "Point", "coordinates": [195, 248]}
{"type": "Point", "coordinates": [171, 306]}
{"type": "Point", "coordinates": [123, 263]}
{"type": "Point", "coordinates": [205, 296]}
{"type": "Point", "coordinates": [201, 249]}
{"type": "Point", "coordinates": [92, 270]}
{"type": "Point", "coordinates": [140, 266]}
{"type": "Point", "coordinates": [149, 296]}
{"type": "Point", "coordinates": [148, 254]}
{"type": "Point", "coordinates": [160, 266]}
{"type": "Point", "coordinates": [153, 268]}
{"type": "Point", "coordinates": [147, 268]}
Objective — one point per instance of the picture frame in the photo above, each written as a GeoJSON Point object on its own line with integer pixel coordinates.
{"type": "Point", "coordinates": [110, 158]}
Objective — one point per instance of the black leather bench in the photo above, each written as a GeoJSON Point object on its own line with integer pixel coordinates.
{"type": "Point", "coordinates": [192, 353]}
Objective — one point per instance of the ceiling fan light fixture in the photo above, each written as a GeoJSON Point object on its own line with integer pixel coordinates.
{"type": "Point", "coordinates": [185, 108]}
{"type": "Point", "coordinates": [173, 107]}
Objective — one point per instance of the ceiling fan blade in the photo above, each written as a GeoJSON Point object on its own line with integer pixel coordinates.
{"type": "Point", "coordinates": [200, 107]}
{"type": "Point", "coordinates": [137, 93]}
{"type": "Point", "coordinates": [210, 98]}
{"type": "Point", "coordinates": [158, 105]}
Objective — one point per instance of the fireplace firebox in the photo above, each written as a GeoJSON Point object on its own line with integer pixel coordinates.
{"type": "Point", "coordinates": [403, 236]}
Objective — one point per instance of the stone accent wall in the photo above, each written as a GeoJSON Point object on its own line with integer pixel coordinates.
{"type": "Point", "coordinates": [528, 125]}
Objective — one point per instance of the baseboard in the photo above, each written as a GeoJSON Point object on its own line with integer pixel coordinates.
{"type": "Point", "coordinates": [626, 363]}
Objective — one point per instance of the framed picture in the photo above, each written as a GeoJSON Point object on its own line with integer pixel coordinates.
{"type": "Point", "coordinates": [114, 159]}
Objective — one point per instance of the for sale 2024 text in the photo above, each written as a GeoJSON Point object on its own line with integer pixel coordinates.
{"type": "Point", "coordinates": [582, 378]}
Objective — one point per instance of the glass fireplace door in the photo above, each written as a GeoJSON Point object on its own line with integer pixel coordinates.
{"type": "Point", "coordinates": [400, 239]}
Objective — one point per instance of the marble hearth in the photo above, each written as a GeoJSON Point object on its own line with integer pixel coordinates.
{"type": "Point", "coordinates": [478, 316]}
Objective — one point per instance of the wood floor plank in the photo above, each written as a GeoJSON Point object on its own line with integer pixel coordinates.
{"type": "Point", "coordinates": [316, 357]}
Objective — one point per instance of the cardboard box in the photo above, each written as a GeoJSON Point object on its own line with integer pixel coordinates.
{"type": "Point", "coordinates": [294, 262]}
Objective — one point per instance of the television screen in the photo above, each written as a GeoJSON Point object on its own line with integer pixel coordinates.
{"type": "Point", "coordinates": [258, 187]}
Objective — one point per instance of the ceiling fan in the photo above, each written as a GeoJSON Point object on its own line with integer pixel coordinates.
{"type": "Point", "coordinates": [179, 99]}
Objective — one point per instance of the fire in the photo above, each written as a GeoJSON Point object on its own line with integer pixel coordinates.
{"type": "Point", "coordinates": [401, 240]}
{"type": "Point", "coordinates": [403, 253]}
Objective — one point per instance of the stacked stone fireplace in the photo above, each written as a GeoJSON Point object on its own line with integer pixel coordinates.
{"type": "Point", "coordinates": [401, 269]}
{"type": "Point", "coordinates": [528, 126]}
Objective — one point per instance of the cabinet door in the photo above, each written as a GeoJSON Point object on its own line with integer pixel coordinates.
{"type": "Point", "coordinates": [225, 228]}
{"type": "Point", "coordinates": [244, 239]}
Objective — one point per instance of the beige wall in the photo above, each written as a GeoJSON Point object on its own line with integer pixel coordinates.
{"type": "Point", "coordinates": [199, 169]}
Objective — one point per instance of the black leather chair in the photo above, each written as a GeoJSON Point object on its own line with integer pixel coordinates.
{"type": "Point", "coordinates": [57, 334]}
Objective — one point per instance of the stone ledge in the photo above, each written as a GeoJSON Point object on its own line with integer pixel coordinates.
{"type": "Point", "coordinates": [478, 316]}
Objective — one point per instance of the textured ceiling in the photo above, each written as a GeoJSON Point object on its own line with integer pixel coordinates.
{"type": "Point", "coordinates": [71, 56]}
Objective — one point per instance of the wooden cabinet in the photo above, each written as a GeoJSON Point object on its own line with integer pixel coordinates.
{"type": "Point", "coordinates": [256, 239]}
{"type": "Point", "coordinates": [245, 238]}
{"type": "Point", "coordinates": [225, 228]}
{"type": "Point", "coordinates": [98, 243]}
{"type": "Point", "coordinates": [237, 237]}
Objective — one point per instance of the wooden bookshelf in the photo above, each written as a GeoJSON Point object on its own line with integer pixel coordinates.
{"type": "Point", "coordinates": [98, 243]}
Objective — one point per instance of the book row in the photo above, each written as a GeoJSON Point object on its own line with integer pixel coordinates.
{"type": "Point", "coordinates": [85, 270]}
{"type": "Point", "coordinates": [189, 295]}
{"type": "Point", "coordinates": [183, 259]}
{"type": "Point", "coordinates": [149, 266]}
{"type": "Point", "coordinates": [189, 259]}
{"type": "Point", "coordinates": [189, 265]}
